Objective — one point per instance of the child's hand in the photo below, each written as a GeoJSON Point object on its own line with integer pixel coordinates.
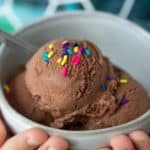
{"type": "Point", "coordinates": [137, 140]}
{"type": "Point", "coordinates": [30, 140]}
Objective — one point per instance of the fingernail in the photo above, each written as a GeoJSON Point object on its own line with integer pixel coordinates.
{"type": "Point", "coordinates": [33, 142]}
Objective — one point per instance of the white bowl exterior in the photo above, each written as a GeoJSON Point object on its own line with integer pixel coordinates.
{"type": "Point", "coordinates": [126, 44]}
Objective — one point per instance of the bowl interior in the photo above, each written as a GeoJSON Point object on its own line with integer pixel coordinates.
{"type": "Point", "coordinates": [126, 44]}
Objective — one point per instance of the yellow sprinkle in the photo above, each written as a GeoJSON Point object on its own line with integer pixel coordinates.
{"type": "Point", "coordinates": [6, 88]}
{"type": "Point", "coordinates": [123, 81]}
{"type": "Point", "coordinates": [50, 54]}
{"type": "Point", "coordinates": [59, 60]}
{"type": "Point", "coordinates": [75, 49]}
{"type": "Point", "coordinates": [64, 61]}
{"type": "Point", "coordinates": [51, 46]}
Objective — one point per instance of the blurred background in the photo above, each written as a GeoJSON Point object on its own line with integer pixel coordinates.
{"type": "Point", "coordinates": [14, 14]}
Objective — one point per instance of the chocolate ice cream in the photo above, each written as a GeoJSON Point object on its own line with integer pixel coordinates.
{"type": "Point", "coordinates": [69, 84]}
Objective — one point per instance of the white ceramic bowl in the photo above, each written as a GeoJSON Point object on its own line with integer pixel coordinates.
{"type": "Point", "coordinates": [125, 43]}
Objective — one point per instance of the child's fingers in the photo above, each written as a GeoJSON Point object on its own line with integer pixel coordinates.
{"type": "Point", "coordinates": [141, 140]}
{"type": "Point", "coordinates": [3, 132]}
{"type": "Point", "coordinates": [121, 142]}
{"type": "Point", "coordinates": [27, 140]}
{"type": "Point", "coordinates": [55, 143]}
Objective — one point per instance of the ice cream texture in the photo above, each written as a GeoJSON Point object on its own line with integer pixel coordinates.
{"type": "Point", "coordinates": [69, 84]}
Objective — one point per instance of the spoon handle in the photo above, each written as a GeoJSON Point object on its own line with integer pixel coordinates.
{"type": "Point", "coordinates": [17, 42]}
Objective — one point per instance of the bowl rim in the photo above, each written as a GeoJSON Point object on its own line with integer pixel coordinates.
{"type": "Point", "coordinates": [78, 14]}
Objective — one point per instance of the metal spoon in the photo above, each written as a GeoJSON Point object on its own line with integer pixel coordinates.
{"type": "Point", "coordinates": [17, 43]}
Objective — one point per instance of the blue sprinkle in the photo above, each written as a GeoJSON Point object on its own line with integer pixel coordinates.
{"type": "Point", "coordinates": [45, 56]}
{"type": "Point", "coordinates": [87, 52]}
{"type": "Point", "coordinates": [70, 52]}
{"type": "Point", "coordinates": [123, 101]}
{"type": "Point", "coordinates": [103, 87]}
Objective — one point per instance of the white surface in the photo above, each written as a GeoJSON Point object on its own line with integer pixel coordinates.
{"type": "Point", "coordinates": [126, 44]}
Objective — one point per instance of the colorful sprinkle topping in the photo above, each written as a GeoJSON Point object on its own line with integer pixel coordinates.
{"type": "Point", "coordinates": [64, 71]}
{"type": "Point", "coordinates": [109, 78]}
{"type": "Point", "coordinates": [45, 56]}
{"type": "Point", "coordinates": [75, 49]}
{"type": "Point", "coordinates": [65, 44]}
{"type": "Point", "coordinates": [64, 53]}
{"type": "Point", "coordinates": [50, 54]}
{"type": "Point", "coordinates": [123, 101]}
{"type": "Point", "coordinates": [64, 61]}
{"type": "Point", "coordinates": [59, 60]}
{"type": "Point", "coordinates": [104, 87]}
{"type": "Point", "coordinates": [71, 52]}
{"type": "Point", "coordinates": [51, 46]}
{"type": "Point", "coordinates": [123, 81]}
{"type": "Point", "coordinates": [87, 52]}
{"type": "Point", "coordinates": [75, 60]}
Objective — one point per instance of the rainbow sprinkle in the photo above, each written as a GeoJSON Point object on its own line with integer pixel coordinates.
{"type": "Point", "coordinates": [104, 87]}
{"type": "Point", "coordinates": [50, 54]}
{"type": "Point", "coordinates": [64, 53]}
{"type": "Point", "coordinates": [75, 49]}
{"type": "Point", "coordinates": [123, 101]}
{"type": "Point", "coordinates": [87, 52]}
{"type": "Point", "coordinates": [109, 78]}
{"type": "Point", "coordinates": [70, 51]}
{"type": "Point", "coordinates": [123, 81]}
{"type": "Point", "coordinates": [64, 71]}
{"type": "Point", "coordinates": [45, 56]}
{"type": "Point", "coordinates": [51, 46]}
{"type": "Point", "coordinates": [64, 61]}
{"type": "Point", "coordinates": [59, 60]}
{"type": "Point", "coordinates": [75, 60]}
{"type": "Point", "coordinates": [65, 44]}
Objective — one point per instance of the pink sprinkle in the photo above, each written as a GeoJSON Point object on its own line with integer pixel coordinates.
{"type": "Point", "coordinates": [64, 71]}
{"type": "Point", "coordinates": [75, 60]}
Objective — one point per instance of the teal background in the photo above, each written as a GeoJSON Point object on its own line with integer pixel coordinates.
{"type": "Point", "coordinates": [25, 11]}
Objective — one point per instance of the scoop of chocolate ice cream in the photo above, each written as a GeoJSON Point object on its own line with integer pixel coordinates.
{"type": "Point", "coordinates": [60, 93]}
{"type": "Point", "coordinates": [73, 86]}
